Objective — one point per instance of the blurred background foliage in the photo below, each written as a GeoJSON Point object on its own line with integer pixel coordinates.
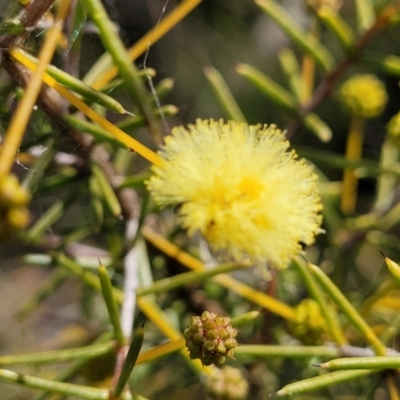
{"type": "Point", "coordinates": [46, 308]}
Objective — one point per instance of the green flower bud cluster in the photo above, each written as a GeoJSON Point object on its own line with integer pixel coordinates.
{"type": "Point", "coordinates": [308, 325]}
{"type": "Point", "coordinates": [393, 128]}
{"type": "Point", "coordinates": [14, 215]}
{"type": "Point", "coordinates": [363, 96]}
{"type": "Point", "coordinates": [210, 338]}
{"type": "Point", "coordinates": [227, 383]}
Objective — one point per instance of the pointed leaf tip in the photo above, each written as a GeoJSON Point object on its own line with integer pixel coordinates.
{"type": "Point", "coordinates": [394, 269]}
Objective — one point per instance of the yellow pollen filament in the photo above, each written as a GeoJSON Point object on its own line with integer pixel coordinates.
{"type": "Point", "coordinates": [241, 187]}
{"type": "Point", "coordinates": [250, 188]}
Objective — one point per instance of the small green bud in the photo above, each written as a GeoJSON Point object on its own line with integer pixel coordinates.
{"type": "Point", "coordinates": [220, 348]}
{"type": "Point", "coordinates": [211, 335]}
{"type": "Point", "coordinates": [231, 343]}
{"type": "Point", "coordinates": [198, 338]}
{"type": "Point", "coordinates": [209, 345]}
{"type": "Point", "coordinates": [210, 338]}
{"type": "Point", "coordinates": [226, 384]}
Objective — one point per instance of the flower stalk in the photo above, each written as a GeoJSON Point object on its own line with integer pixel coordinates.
{"type": "Point", "coordinates": [355, 140]}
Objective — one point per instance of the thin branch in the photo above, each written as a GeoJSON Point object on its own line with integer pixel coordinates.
{"type": "Point", "coordinates": [326, 86]}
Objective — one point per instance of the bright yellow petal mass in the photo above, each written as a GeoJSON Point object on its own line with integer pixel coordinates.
{"type": "Point", "coordinates": [241, 188]}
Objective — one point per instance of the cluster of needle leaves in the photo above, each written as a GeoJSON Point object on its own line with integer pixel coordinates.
{"type": "Point", "coordinates": [100, 284]}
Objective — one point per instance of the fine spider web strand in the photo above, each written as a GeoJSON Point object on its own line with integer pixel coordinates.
{"type": "Point", "coordinates": [149, 78]}
{"type": "Point", "coordinates": [20, 163]}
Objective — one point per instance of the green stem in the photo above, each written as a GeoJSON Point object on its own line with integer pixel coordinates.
{"type": "Point", "coordinates": [58, 355]}
{"type": "Point", "coordinates": [245, 318]}
{"type": "Point", "coordinates": [354, 146]}
{"type": "Point", "coordinates": [187, 278]}
{"type": "Point", "coordinates": [108, 194]}
{"type": "Point", "coordinates": [268, 86]}
{"type": "Point", "coordinates": [111, 303]}
{"type": "Point", "coordinates": [130, 362]}
{"type": "Point", "coordinates": [50, 217]}
{"type": "Point", "coordinates": [385, 362]}
{"type": "Point", "coordinates": [351, 313]}
{"type": "Point", "coordinates": [77, 86]}
{"type": "Point", "coordinates": [88, 277]}
{"type": "Point", "coordinates": [130, 123]}
{"type": "Point", "coordinates": [291, 69]}
{"type": "Point", "coordinates": [320, 382]}
{"type": "Point", "coordinates": [69, 389]}
{"type": "Point", "coordinates": [264, 351]}
{"type": "Point", "coordinates": [297, 34]}
{"type": "Point", "coordinates": [333, 327]}
{"type": "Point", "coordinates": [386, 183]}
{"type": "Point", "coordinates": [113, 44]}
{"type": "Point", "coordinates": [73, 369]}
{"type": "Point", "coordinates": [223, 94]}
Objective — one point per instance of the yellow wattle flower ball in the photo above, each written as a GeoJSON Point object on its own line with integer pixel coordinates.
{"type": "Point", "coordinates": [308, 325]}
{"type": "Point", "coordinates": [363, 96]}
{"type": "Point", "coordinates": [241, 188]}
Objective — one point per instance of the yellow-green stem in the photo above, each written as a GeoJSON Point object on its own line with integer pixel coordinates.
{"type": "Point", "coordinates": [308, 67]}
{"type": "Point", "coordinates": [16, 129]}
{"type": "Point", "coordinates": [162, 350]}
{"type": "Point", "coordinates": [386, 183]}
{"type": "Point", "coordinates": [111, 303]}
{"type": "Point", "coordinates": [149, 38]}
{"type": "Point", "coordinates": [114, 45]}
{"type": "Point", "coordinates": [245, 291]}
{"type": "Point", "coordinates": [334, 329]}
{"type": "Point", "coordinates": [127, 140]}
{"type": "Point", "coordinates": [354, 146]}
{"type": "Point", "coordinates": [347, 308]}
{"type": "Point", "coordinates": [392, 388]}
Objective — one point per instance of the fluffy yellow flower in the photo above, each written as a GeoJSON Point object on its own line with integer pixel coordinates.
{"type": "Point", "coordinates": [363, 95]}
{"type": "Point", "coordinates": [240, 187]}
